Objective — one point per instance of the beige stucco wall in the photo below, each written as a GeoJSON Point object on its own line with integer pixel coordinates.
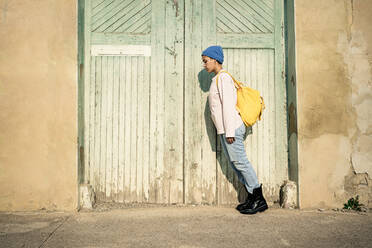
{"type": "Point", "coordinates": [334, 101]}
{"type": "Point", "coordinates": [38, 104]}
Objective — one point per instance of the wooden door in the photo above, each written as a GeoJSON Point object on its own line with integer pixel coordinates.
{"type": "Point", "coordinates": [251, 34]}
{"type": "Point", "coordinates": [134, 100]}
{"type": "Point", "coordinates": [148, 136]}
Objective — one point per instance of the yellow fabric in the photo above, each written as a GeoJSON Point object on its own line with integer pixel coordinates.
{"type": "Point", "coordinates": [250, 104]}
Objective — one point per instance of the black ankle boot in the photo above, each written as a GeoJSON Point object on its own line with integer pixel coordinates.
{"type": "Point", "coordinates": [258, 203]}
{"type": "Point", "coordinates": [247, 203]}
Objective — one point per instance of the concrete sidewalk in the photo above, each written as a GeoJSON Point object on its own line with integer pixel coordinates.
{"type": "Point", "coordinates": [185, 227]}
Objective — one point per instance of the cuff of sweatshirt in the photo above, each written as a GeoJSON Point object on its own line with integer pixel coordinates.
{"type": "Point", "coordinates": [230, 133]}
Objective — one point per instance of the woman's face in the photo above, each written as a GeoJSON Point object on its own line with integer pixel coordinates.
{"type": "Point", "coordinates": [209, 64]}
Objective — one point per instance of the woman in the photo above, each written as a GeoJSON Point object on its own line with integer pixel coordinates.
{"type": "Point", "coordinates": [231, 129]}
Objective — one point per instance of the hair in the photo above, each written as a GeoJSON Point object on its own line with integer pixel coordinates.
{"type": "Point", "coordinates": [213, 59]}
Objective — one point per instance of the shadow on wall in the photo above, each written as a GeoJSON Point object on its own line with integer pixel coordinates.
{"type": "Point", "coordinates": [205, 80]}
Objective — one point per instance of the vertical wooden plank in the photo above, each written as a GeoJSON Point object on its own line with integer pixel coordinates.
{"type": "Point", "coordinates": [115, 130]}
{"type": "Point", "coordinates": [122, 140]}
{"type": "Point", "coordinates": [264, 121]}
{"type": "Point", "coordinates": [157, 100]}
{"type": "Point", "coordinates": [103, 128]}
{"type": "Point", "coordinates": [109, 138]}
{"type": "Point", "coordinates": [172, 185]}
{"type": "Point", "coordinates": [197, 162]}
{"type": "Point", "coordinates": [200, 137]}
{"type": "Point", "coordinates": [169, 100]}
{"type": "Point", "coordinates": [97, 124]}
{"type": "Point", "coordinates": [133, 129]}
{"type": "Point", "coordinates": [146, 129]}
{"type": "Point", "coordinates": [92, 98]}
{"type": "Point", "coordinates": [192, 146]}
{"type": "Point", "coordinates": [177, 191]}
{"type": "Point", "coordinates": [270, 113]}
{"type": "Point", "coordinates": [140, 136]}
{"type": "Point", "coordinates": [261, 125]}
{"type": "Point", "coordinates": [127, 158]}
{"type": "Point", "coordinates": [208, 132]}
{"type": "Point", "coordinates": [258, 133]}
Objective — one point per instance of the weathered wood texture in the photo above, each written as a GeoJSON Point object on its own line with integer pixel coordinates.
{"type": "Point", "coordinates": [251, 34]}
{"type": "Point", "coordinates": [148, 135]}
{"type": "Point", "coordinates": [256, 68]}
{"type": "Point", "coordinates": [200, 134]}
{"type": "Point", "coordinates": [119, 128]}
{"type": "Point", "coordinates": [166, 103]}
{"type": "Point", "coordinates": [239, 16]}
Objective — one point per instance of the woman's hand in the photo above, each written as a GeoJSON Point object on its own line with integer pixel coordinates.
{"type": "Point", "coordinates": [230, 140]}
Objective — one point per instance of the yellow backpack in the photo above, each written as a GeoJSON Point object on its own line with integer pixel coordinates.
{"type": "Point", "coordinates": [250, 103]}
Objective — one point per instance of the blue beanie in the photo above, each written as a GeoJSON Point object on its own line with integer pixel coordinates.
{"type": "Point", "coordinates": [214, 52]}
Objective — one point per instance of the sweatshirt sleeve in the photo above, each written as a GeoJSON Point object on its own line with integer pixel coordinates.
{"type": "Point", "coordinates": [228, 98]}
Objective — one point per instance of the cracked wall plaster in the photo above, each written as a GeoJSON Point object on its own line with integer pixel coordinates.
{"type": "Point", "coordinates": [334, 47]}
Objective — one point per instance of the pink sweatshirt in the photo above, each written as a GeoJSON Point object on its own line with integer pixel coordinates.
{"type": "Point", "coordinates": [222, 102]}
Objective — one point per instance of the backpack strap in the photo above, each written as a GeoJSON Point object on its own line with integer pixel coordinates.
{"type": "Point", "coordinates": [236, 82]}
{"type": "Point", "coordinates": [218, 75]}
{"type": "Point", "coordinates": [262, 107]}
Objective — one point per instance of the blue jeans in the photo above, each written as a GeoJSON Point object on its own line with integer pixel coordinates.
{"type": "Point", "coordinates": [238, 160]}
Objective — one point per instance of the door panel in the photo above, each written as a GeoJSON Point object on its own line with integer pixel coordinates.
{"type": "Point", "coordinates": [166, 103]}
{"type": "Point", "coordinates": [134, 102]}
{"type": "Point", "coordinates": [238, 16]}
{"type": "Point", "coordinates": [256, 69]}
{"type": "Point", "coordinates": [251, 35]}
{"type": "Point", "coordinates": [200, 135]}
{"type": "Point", "coordinates": [119, 127]}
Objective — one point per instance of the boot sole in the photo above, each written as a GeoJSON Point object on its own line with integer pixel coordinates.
{"type": "Point", "coordinates": [260, 209]}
